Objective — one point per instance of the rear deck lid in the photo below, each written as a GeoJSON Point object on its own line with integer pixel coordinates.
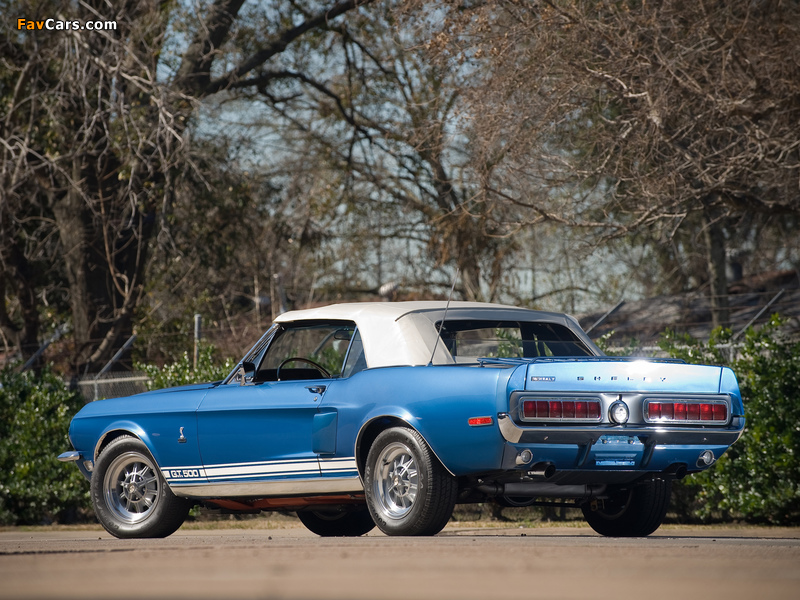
{"type": "Point", "coordinates": [605, 374]}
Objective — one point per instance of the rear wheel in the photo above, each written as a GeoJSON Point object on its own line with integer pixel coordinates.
{"type": "Point", "coordinates": [130, 497]}
{"type": "Point", "coordinates": [408, 491]}
{"type": "Point", "coordinates": [337, 523]}
{"type": "Point", "coordinates": [633, 512]}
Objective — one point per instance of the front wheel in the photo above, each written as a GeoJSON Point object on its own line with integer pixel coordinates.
{"type": "Point", "coordinates": [408, 491]}
{"type": "Point", "coordinates": [337, 523]}
{"type": "Point", "coordinates": [633, 512]}
{"type": "Point", "coordinates": [130, 497]}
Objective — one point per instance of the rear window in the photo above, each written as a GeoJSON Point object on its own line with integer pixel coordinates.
{"type": "Point", "coordinates": [468, 340]}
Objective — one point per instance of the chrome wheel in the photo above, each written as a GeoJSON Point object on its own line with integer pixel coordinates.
{"type": "Point", "coordinates": [130, 497]}
{"type": "Point", "coordinates": [408, 490]}
{"type": "Point", "coordinates": [130, 487]}
{"type": "Point", "coordinates": [396, 481]}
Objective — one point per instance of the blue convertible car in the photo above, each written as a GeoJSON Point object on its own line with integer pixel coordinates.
{"type": "Point", "coordinates": [389, 414]}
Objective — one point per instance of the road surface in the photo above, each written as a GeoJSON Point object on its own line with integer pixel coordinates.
{"type": "Point", "coordinates": [465, 562]}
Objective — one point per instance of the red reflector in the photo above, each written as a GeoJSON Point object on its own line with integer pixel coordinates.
{"type": "Point", "coordinates": [686, 411]}
{"type": "Point", "coordinates": [561, 409]}
{"type": "Point", "coordinates": [542, 409]}
{"type": "Point", "coordinates": [594, 410]}
{"type": "Point", "coordinates": [555, 409]}
{"type": "Point", "coordinates": [581, 410]}
{"type": "Point", "coordinates": [475, 421]}
{"type": "Point", "coordinates": [529, 409]}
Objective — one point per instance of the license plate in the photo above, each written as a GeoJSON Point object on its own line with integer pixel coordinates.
{"type": "Point", "coordinates": [617, 440]}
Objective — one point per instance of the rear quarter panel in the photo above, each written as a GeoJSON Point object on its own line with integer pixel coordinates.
{"type": "Point", "coordinates": [437, 401]}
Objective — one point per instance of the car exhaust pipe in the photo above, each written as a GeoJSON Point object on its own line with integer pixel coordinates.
{"type": "Point", "coordinates": [677, 470]}
{"type": "Point", "coordinates": [542, 469]}
{"type": "Point", "coordinates": [542, 490]}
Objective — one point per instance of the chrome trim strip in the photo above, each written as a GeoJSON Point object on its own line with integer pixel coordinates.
{"type": "Point", "coordinates": [76, 456]}
{"type": "Point", "coordinates": [338, 465]}
{"type": "Point", "coordinates": [515, 434]}
{"type": "Point", "coordinates": [262, 489]}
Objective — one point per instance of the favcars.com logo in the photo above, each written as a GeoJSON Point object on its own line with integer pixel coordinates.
{"type": "Point", "coordinates": [61, 25]}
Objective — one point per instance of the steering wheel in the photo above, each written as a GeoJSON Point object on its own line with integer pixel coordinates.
{"type": "Point", "coordinates": [323, 371]}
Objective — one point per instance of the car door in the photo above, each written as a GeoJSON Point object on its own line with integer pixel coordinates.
{"type": "Point", "coordinates": [259, 438]}
{"type": "Point", "coordinates": [255, 435]}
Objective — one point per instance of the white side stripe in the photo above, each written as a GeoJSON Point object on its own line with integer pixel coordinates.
{"type": "Point", "coordinates": [255, 470]}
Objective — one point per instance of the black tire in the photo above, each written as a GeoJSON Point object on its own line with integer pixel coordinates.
{"type": "Point", "coordinates": [515, 501]}
{"type": "Point", "coordinates": [408, 491]}
{"type": "Point", "coordinates": [337, 523]}
{"type": "Point", "coordinates": [130, 497]}
{"type": "Point", "coordinates": [633, 512]}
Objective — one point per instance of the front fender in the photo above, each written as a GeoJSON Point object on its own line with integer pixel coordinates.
{"type": "Point", "coordinates": [119, 428]}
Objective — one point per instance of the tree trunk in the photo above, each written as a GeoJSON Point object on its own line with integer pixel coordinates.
{"type": "Point", "coordinates": [715, 254]}
{"type": "Point", "coordinates": [104, 264]}
{"type": "Point", "coordinates": [18, 276]}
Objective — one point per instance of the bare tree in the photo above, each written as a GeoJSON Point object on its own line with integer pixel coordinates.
{"type": "Point", "coordinates": [626, 117]}
{"type": "Point", "coordinates": [386, 131]}
{"type": "Point", "coordinates": [96, 131]}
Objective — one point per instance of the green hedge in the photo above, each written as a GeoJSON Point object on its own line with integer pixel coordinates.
{"type": "Point", "coordinates": [182, 371]}
{"type": "Point", "coordinates": [35, 411]}
{"type": "Point", "coordinates": [758, 479]}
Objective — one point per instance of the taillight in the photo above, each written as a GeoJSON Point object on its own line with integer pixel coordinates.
{"type": "Point", "coordinates": [561, 409]}
{"type": "Point", "coordinates": [680, 411]}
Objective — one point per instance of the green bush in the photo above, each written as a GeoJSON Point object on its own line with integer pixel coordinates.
{"type": "Point", "coordinates": [181, 372]}
{"type": "Point", "coordinates": [758, 479]}
{"type": "Point", "coordinates": [35, 411]}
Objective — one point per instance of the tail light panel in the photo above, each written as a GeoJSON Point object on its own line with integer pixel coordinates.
{"type": "Point", "coordinates": [561, 410]}
{"type": "Point", "coordinates": [678, 411]}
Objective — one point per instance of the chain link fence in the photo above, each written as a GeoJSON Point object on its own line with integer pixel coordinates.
{"type": "Point", "coordinates": [112, 385]}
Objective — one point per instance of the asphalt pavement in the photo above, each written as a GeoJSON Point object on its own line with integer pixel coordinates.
{"type": "Point", "coordinates": [281, 560]}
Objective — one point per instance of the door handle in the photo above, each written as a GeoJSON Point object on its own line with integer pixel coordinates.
{"type": "Point", "coordinates": [316, 389]}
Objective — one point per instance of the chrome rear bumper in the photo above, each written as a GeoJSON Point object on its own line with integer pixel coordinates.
{"type": "Point", "coordinates": [589, 435]}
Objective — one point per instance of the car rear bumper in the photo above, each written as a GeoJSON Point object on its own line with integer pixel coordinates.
{"type": "Point", "coordinates": [658, 436]}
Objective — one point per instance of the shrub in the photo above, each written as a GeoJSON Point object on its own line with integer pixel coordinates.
{"type": "Point", "coordinates": [35, 411]}
{"type": "Point", "coordinates": [758, 479]}
{"type": "Point", "coordinates": [181, 372]}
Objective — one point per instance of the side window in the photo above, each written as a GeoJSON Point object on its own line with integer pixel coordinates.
{"type": "Point", "coordinates": [306, 351]}
{"type": "Point", "coordinates": [356, 361]}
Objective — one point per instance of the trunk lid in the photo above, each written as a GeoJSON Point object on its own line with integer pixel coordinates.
{"type": "Point", "coordinates": [606, 374]}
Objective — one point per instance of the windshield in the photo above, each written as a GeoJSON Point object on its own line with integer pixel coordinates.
{"type": "Point", "coordinates": [312, 350]}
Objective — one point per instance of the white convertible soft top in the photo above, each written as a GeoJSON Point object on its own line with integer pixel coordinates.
{"type": "Point", "coordinates": [404, 333]}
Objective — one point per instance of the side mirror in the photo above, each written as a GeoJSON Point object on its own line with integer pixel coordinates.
{"type": "Point", "coordinates": [246, 373]}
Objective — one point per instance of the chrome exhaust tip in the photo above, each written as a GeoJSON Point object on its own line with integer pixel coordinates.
{"type": "Point", "coordinates": [542, 469]}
